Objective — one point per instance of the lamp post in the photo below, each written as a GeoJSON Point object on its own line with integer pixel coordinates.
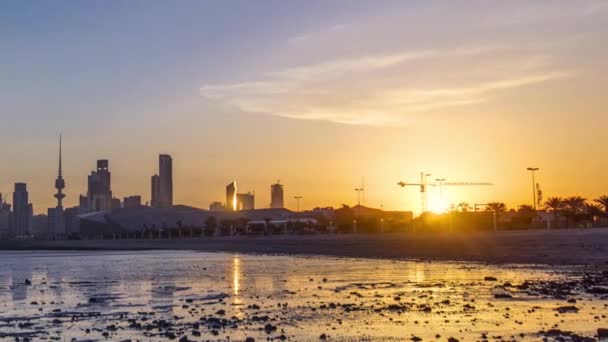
{"type": "Point", "coordinates": [533, 170]}
{"type": "Point", "coordinates": [297, 203]}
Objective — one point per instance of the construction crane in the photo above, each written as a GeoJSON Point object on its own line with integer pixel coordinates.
{"type": "Point", "coordinates": [441, 182]}
{"type": "Point", "coordinates": [423, 185]}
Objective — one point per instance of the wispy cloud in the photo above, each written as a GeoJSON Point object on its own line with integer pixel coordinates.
{"type": "Point", "coordinates": [370, 90]}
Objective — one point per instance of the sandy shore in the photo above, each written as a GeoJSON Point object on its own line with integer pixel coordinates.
{"type": "Point", "coordinates": [563, 247]}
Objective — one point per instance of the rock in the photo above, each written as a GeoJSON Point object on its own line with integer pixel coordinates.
{"type": "Point", "coordinates": [27, 282]}
{"type": "Point", "coordinates": [323, 337]}
{"type": "Point", "coordinates": [452, 339]}
{"type": "Point", "coordinates": [502, 296]}
{"type": "Point", "coordinates": [269, 328]}
{"type": "Point", "coordinates": [250, 339]}
{"type": "Point", "coordinates": [567, 309]}
{"type": "Point", "coordinates": [602, 333]}
{"type": "Point", "coordinates": [490, 279]}
{"type": "Point", "coordinates": [598, 290]}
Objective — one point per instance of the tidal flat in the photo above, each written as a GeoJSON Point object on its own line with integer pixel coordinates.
{"type": "Point", "coordinates": [193, 296]}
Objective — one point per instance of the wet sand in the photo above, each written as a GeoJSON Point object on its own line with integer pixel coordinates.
{"type": "Point", "coordinates": [560, 247]}
{"type": "Point", "coordinates": [191, 296]}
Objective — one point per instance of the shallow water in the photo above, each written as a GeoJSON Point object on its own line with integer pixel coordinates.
{"type": "Point", "coordinates": [163, 294]}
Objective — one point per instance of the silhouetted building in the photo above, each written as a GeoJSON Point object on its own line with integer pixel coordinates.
{"type": "Point", "coordinates": [231, 200]}
{"type": "Point", "coordinates": [5, 219]}
{"type": "Point", "coordinates": [56, 223]}
{"type": "Point", "coordinates": [245, 201]}
{"type": "Point", "coordinates": [72, 222]}
{"type": "Point", "coordinates": [276, 196]}
{"type": "Point", "coordinates": [165, 172]}
{"type": "Point", "coordinates": [116, 204]}
{"type": "Point", "coordinates": [132, 202]}
{"type": "Point", "coordinates": [155, 191]}
{"type": "Point", "coordinates": [56, 216]}
{"type": "Point", "coordinates": [21, 218]}
{"type": "Point", "coordinates": [83, 203]}
{"type": "Point", "coordinates": [99, 194]}
{"type": "Point", "coordinates": [216, 206]}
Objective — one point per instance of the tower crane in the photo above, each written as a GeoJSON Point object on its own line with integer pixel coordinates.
{"type": "Point", "coordinates": [440, 182]}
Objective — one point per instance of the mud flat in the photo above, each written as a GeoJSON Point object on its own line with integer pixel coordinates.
{"type": "Point", "coordinates": [194, 296]}
{"type": "Point", "coordinates": [559, 247]}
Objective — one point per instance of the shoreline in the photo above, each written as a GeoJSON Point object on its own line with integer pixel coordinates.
{"type": "Point", "coordinates": [558, 247]}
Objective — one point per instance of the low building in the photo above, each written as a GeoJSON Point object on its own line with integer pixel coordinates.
{"type": "Point", "coordinates": [217, 206]}
{"type": "Point", "coordinates": [132, 202]}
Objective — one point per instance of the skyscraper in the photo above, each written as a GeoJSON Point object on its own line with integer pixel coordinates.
{"type": "Point", "coordinates": [21, 223]}
{"type": "Point", "coordinates": [56, 216]}
{"type": "Point", "coordinates": [5, 219]}
{"type": "Point", "coordinates": [231, 200]}
{"type": "Point", "coordinates": [165, 172]}
{"type": "Point", "coordinates": [276, 196]}
{"type": "Point", "coordinates": [99, 194]}
{"type": "Point", "coordinates": [155, 191]}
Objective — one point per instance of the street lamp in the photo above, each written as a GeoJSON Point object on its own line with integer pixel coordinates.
{"type": "Point", "coordinates": [297, 203]}
{"type": "Point", "coordinates": [440, 181]}
{"type": "Point", "coordinates": [359, 190]}
{"type": "Point", "coordinates": [533, 170]}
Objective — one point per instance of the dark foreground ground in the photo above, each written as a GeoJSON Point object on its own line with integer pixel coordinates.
{"type": "Point", "coordinates": [560, 247]}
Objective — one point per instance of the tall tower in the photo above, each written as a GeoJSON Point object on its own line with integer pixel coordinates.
{"type": "Point", "coordinates": [231, 200]}
{"type": "Point", "coordinates": [276, 196]}
{"type": "Point", "coordinates": [22, 211]}
{"type": "Point", "coordinates": [165, 172]}
{"type": "Point", "coordinates": [155, 191]}
{"type": "Point", "coordinates": [59, 182]}
{"type": "Point", "coordinates": [56, 216]}
{"type": "Point", "coordinates": [99, 194]}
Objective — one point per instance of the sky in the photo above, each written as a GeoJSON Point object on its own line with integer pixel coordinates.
{"type": "Point", "coordinates": [320, 95]}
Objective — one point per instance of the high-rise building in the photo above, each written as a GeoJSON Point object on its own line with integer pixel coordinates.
{"type": "Point", "coordinates": [56, 216]}
{"type": "Point", "coordinates": [21, 218]}
{"type": "Point", "coordinates": [245, 201]}
{"type": "Point", "coordinates": [155, 191]}
{"type": "Point", "coordinates": [72, 222]}
{"type": "Point", "coordinates": [99, 194]}
{"type": "Point", "coordinates": [276, 196]}
{"type": "Point", "coordinates": [132, 202]}
{"type": "Point", "coordinates": [165, 172]}
{"type": "Point", "coordinates": [231, 200]}
{"type": "Point", "coordinates": [5, 219]}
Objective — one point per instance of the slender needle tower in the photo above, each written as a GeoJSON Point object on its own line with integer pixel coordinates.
{"type": "Point", "coordinates": [60, 183]}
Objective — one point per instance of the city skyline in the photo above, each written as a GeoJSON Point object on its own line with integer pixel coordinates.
{"type": "Point", "coordinates": [468, 93]}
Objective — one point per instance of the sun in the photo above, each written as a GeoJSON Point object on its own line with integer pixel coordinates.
{"type": "Point", "coordinates": [438, 206]}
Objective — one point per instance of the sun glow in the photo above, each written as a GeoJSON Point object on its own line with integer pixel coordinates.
{"type": "Point", "coordinates": [438, 206]}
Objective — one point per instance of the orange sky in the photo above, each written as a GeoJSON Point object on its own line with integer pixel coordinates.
{"type": "Point", "coordinates": [316, 97]}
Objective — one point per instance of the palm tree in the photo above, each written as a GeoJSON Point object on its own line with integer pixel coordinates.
{"type": "Point", "coordinates": [464, 206]}
{"type": "Point", "coordinates": [603, 201]}
{"type": "Point", "coordinates": [593, 211]}
{"type": "Point", "coordinates": [574, 208]}
{"type": "Point", "coordinates": [497, 207]}
{"type": "Point", "coordinates": [556, 204]}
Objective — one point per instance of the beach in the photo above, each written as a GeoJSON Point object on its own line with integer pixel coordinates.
{"type": "Point", "coordinates": [197, 296]}
{"type": "Point", "coordinates": [559, 247]}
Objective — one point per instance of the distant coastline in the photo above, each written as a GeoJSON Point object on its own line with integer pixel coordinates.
{"type": "Point", "coordinates": [559, 247]}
